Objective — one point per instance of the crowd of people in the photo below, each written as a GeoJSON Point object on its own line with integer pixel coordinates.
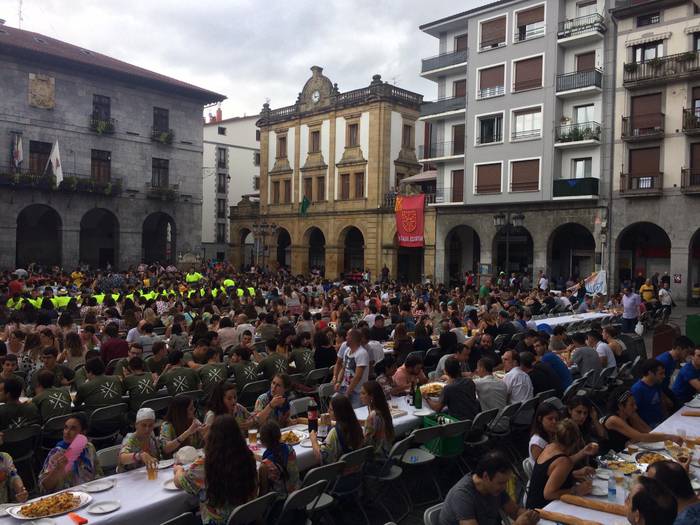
{"type": "Point", "coordinates": [78, 341]}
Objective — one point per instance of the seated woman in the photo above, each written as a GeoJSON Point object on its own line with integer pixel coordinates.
{"type": "Point", "coordinates": [624, 425]}
{"type": "Point", "coordinates": [180, 427]}
{"type": "Point", "coordinates": [225, 477]}
{"type": "Point", "coordinates": [554, 474]}
{"type": "Point", "coordinates": [674, 476]}
{"type": "Point", "coordinates": [224, 400]}
{"type": "Point", "coordinates": [140, 447]}
{"type": "Point", "coordinates": [378, 427]}
{"type": "Point", "coordinates": [278, 471]}
{"type": "Point", "coordinates": [11, 487]}
{"type": "Point", "coordinates": [544, 425]}
{"type": "Point", "coordinates": [582, 412]}
{"type": "Point", "coordinates": [344, 437]}
{"type": "Point", "coordinates": [385, 370]}
{"type": "Point", "coordinates": [53, 476]}
{"type": "Point", "coordinates": [274, 404]}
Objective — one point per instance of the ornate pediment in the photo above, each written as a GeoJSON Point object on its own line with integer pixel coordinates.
{"type": "Point", "coordinates": [352, 156]}
{"type": "Point", "coordinates": [314, 161]}
{"type": "Point", "coordinates": [317, 93]}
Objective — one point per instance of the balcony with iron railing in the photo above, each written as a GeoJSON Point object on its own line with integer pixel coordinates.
{"type": "Point", "coordinates": [390, 199]}
{"type": "Point", "coordinates": [587, 187]}
{"type": "Point", "coordinates": [161, 191]}
{"type": "Point", "coordinates": [444, 60]}
{"type": "Point", "coordinates": [26, 179]}
{"type": "Point", "coordinates": [523, 34]}
{"type": "Point", "coordinates": [662, 69]}
{"type": "Point", "coordinates": [639, 128]}
{"type": "Point", "coordinates": [491, 92]}
{"type": "Point", "coordinates": [589, 80]}
{"type": "Point", "coordinates": [690, 180]}
{"type": "Point", "coordinates": [438, 150]}
{"type": "Point", "coordinates": [163, 136]}
{"type": "Point", "coordinates": [443, 105]}
{"type": "Point", "coordinates": [526, 134]}
{"type": "Point", "coordinates": [102, 125]}
{"type": "Point", "coordinates": [592, 26]}
{"type": "Point", "coordinates": [691, 121]}
{"type": "Point", "coordinates": [493, 43]}
{"type": "Point", "coordinates": [641, 184]}
{"type": "Point", "coordinates": [489, 138]}
{"type": "Point", "coordinates": [578, 134]}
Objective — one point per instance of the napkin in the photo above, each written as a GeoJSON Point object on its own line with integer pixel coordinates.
{"type": "Point", "coordinates": [603, 506]}
{"type": "Point", "coordinates": [558, 517]}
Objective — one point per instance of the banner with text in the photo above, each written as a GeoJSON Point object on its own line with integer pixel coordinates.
{"type": "Point", "coordinates": [409, 220]}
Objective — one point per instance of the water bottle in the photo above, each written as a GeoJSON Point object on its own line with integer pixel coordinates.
{"type": "Point", "coordinates": [312, 415]}
{"type": "Point", "coordinates": [612, 488]}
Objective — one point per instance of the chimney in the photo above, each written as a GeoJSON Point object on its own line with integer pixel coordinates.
{"type": "Point", "coordinates": [218, 115]}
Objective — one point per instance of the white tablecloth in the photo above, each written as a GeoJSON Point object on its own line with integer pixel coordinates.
{"type": "Point", "coordinates": [566, 319]}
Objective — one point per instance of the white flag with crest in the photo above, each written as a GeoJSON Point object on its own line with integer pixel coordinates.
{"type": "Point", "coordinates": [55, 164]}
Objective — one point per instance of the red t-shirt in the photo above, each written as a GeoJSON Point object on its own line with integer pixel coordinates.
{"type": "Point", "coordinates": [15, 287]}
{"type": "Point", "coordinates": [114, 349]}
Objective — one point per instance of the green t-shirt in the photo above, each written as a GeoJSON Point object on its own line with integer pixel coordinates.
{"type": "Point", "coordinates": [80, 377]}
{"type": "Point", "coordinates": [178, 380]}
{"type": "Point", "coordinates": [16, 415]}
{"type": "Point", "coordinates": [52, 402]}
{"type": "Point", "coordinates": [99, 391]}
{"type": "Point", "coordinates": [122, 364]}
{"type": "Point", "coordinates": [303, 360]}
{"type": "Point", "coordinates": [273, 364]}
{"type": "Point", "coordinates": [156, 367]}
{"type": "Point", "coordinates": [20, 379]}
{"type": "Point", "coordinates": [244, 372]}
{"type": "Point", "coordinates": [57, 377]}
{"type": "Point", "coordinates": [191, 356]}
{"type": "Point", "coordinates": [211, 375]}
{"type": "Point", "coordinates": [139, 387]}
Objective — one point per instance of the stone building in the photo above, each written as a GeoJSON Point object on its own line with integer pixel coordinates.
{"type": "Point", "coordinates": [344, 153]}
{"type": "Point", "coordinates": [657, 143]}
{"type": "Point", "coordinates": [518, 137]}
{"type": "Point", "coordinates": [130, 143]}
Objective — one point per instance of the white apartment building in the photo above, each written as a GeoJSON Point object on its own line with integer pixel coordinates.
{"type": "Point", "coordinates": [230, 171]}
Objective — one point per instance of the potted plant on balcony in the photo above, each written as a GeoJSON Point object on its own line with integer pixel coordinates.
{"type": "Point", "coordinates": [165, 137]}
{"type": "Point", "coordinates": [655, 63]}
{"type": "Point", "coordinates": [688, 56]}
{"type": "Point", "coordinates": [84, 185]}
{"type": "Point", "coordinates": [631, 67]}
{"type": "Point", "coordinates": [68, 184]}
{"type": "Point", "coordinates": [25, 180]}
{"type": "Point", "coordinates": [7, 179]}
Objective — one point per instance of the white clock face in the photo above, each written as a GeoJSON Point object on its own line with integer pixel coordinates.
{"type": "Point", "coordinates": [315, 96]}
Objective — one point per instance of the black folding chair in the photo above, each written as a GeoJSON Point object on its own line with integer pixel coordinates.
{"type": "Point", "coordinates": [298, 502]}
{"type": "Point", "coordinates": [250, 392]}
{"type": "Point", "coordinates": [105, 424]}
{"type": "Point", "coordinates": [253, 512]}
{"type": "Point", "coordinates": [21, 443]}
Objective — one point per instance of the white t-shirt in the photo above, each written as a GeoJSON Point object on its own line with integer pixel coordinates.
{"type": "Point", "coordinates": [133, 335]}
{"type": "Point", "coordinates": [519, 385]}
{"type": "Point", "coordinates": [543, 283]}
{"type": "Point", "coordinates": [604, 350]}
{"type": "Point", "coordinates": [351, 361]}
{"type": "Point", "coordinates": [665, 297]}
{"type": "Point", "coordinates": [538, 441]}
{"type": "Point", "coordinates": [375, 350]}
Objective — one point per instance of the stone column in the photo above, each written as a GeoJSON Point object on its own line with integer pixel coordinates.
{"type": "Point", "coordinates": [8, 241]}
{"type": "Point", "coordinates": [130, 253]}
{"type": "Point", "coordinates": [429, 262]}
{"type": "Point", "coordinates": [300, 259]}
{"type": "Point", "coordinates": [439, 253]}
{"type": "Point", "coordinates": [334, 261]}
{"type": "Point", "coordinates": [70, 247]}
{"type": "Point", "coordinates": [679, 265]}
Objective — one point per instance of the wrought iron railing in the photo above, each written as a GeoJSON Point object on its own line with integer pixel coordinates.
{"type": "Point", "coordinates": [690, 179]}
{"type": "Point", "coordinates": [641, 127]}
{"type": "Point", "coordinates": [101, 125]}
{"type": "Point", "coordinates": [526, 134]}
{"type": "Point", "coordinates": [489, 92]}
{"type": "Point", "coordinates": [641, 183]}
{"type": "Point", "coordinates": [527, 34]}
{"type": "Point", "coordinates": [691, 120]}
{"type": "Point", "coordinates": [581, 24]}
{"type": "Point", "coordinates": [680, 65]}
{"type": "Point", "coordinates": [575, 187]}
{"type": "Point", "coordinates": [444, 60]}
{"type": "Point", "coordinates": [578, 131]}
{"type": "Point", "coordinates": [492, 43]}
{"type": "Point", "coordinates": [579, 80]}
{"type": "Point", "coordinates": [441, 149]}
{"type": "Point", "coordinates": [164, 136]}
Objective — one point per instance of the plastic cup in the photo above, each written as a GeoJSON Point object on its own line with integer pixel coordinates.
{"type": "Point", "coordinates": [152, 471]}
{"type": "Point", "coordinates": [253, 436]}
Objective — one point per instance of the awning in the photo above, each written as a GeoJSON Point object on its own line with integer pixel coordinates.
{"type": "Point", "coordinates": [650, 38]}
{"type": "Point", "coordinates": [423, 176]}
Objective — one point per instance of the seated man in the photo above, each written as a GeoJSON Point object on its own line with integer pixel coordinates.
{"type": "Point", "coordinates": [243, 369]}
{"type": "Point", "coordinates": [650, 503]}
{"type": "Point", "coordinates": [138, 384]}
{"type": "Point", "coordinates": [687, 383]}
{"type": "Point", "coordinates": [647, 393]}
{"type": "Point", "coordinates": [8, 364]}
{"type": "Point", "coordinates": [176, 377]}
{"type": "Point", "coordinates": [159, 360]}
{"type": "Point", "coordinates": [459, 394]}
{"type": "Point", "coordinates": [14, 413]}
{"type": "Point", "coordinates": [214, 371]}
{"type": "Point", "coordinates": [479, 497]}
{"type": "Point", "coordinates": [541, 375]}
{"type": "Point", "coordinates": [122, 368]}
{"type": "Point", "coordinates": [49, 400]}
{"type": "Point", "coordinates": [197, 357]}
{"type": "Point", "coordinates": [99, 390]}
{"type": "Point", "coordinates": [276, 360]}
{"type": "Point", "coordinates": [461, 355]}
{"type": "Point", "coordinates": [410, 373]}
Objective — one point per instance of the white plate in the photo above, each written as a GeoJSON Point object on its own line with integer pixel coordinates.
{"type": "Point", "coordinates": [42, 521]}
{"type": "Point", "coordinates": [85, 499]}
{"type": "Point", "coordinates": [166, 463]}
{"type": "Point", "coordinates": [99, 485]}
{"type": "Point", "coordinates": [693, 403]}
{"type": "Point", "coordinates": [170, 485]}
{"type": "Point", "coordinates": [5, 506]}
{"type": "Point", "coordinates": [306, 443]}
{"type": "Point", "coordinates": [695, 484]}
{"type": "Point", "coordinates": [656, 445]}
{"type": "Point", "coordinates": [104, 507]}
{"type": "Point", "coordinates": [423, 412]}
{"type": "Point", "coordinates": [598, 491]}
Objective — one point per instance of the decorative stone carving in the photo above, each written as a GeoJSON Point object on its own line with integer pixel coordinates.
{"type": "Point", "coordinates": [42, 91]}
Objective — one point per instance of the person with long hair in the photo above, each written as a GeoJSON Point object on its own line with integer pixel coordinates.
{"type": "Point", "coordinates": [344, 437]}
{"type": "Point", "coordinates": [553, 474]}
{"type": "Point", "coordinates": [225, 477]}
{"type": "Point", "coordinates": [180, 426]}
{"type": "Point", "coordinates": [73, 351]}
{"type": "Point", "coordinates": [278, 470]}
{"type": "Point", "coordinates": [274, 404]}
{"type": "Point", "coordinates": [224, 401]}
{"type": "Point", "coordinates": [544, 424]}
{"type": "Point", "coordinates": [584, 413]}
{"type": "Point", "coordinates": [379, 428]}
{"type": "Point", "coordinates": [623, 423]}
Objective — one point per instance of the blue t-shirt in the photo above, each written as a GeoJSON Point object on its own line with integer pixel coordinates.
{"type": "Point", "coordinates": [682, 388]}
{"type": "Point", "coordinates": [669, 363]}
{"type": "Point", "coordinates": [648, 400]}
{"type": "Point", "coordinates": [690, 516]}
{"type": "Point", "coordinates": [559, 368]}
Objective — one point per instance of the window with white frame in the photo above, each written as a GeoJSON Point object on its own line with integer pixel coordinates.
{"type": "Point", "coordinates": [490, 129]}
{"type": "Point", "coordinates": [529, 23]}
{"type": "Point", "coordinates": [491, 82]}
{"type": "Point", "coordinates": [648, 51]}
{"type": "Point", "coordinates": [527, 123]}
{"type": "Point", "coordinates": [582, 168]}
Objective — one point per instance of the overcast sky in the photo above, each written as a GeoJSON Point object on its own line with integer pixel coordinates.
{"type": "Point", "coordinates": [250, 50]}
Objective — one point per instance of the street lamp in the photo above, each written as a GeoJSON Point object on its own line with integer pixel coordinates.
{"type": "Point", "coordinates": [507, 221]}
{"type": "Point", "coordinates": [261, 230]}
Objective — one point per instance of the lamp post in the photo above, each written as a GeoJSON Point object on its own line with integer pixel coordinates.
{"type": "Point", "coordinates": [261, 230]}
{"type": "Point", "coordinates": [506, 221]}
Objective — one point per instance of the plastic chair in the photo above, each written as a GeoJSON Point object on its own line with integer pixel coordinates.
{"type": "Point", "coordinates": [187, 518]}
{"type": "Point", "coordinates": [109, 459]}
{"type": "Point", "coordinates": [432, 357]}
{"type": "Point", "coordinates": [250, 392]}
{"type": "Point", "coordinates": [418, 353]}
{"type": "Point", "coordinates": [316, 376]}
{"type": "Point", "coordinates": [105, 423]}
{"type": "Point", "coordinates": [298, 406]}
{"type": "Point", "coordinates": [21, 443]}
{"type": "Point", "coordinates": [255, 511]}
{"type": "Point", "coordinates": [158, 404]}
{"type": "Point", "coordinates": [109, 369]}
{"type": "Point", "coordinates": [546, 394]}
{"type": "Point", "coordinates": [573, 389]}
{"type": "Point", "coordinates": [300, 500]}
{"type": "Point", "coordinates": [328, 473]}
{"type": "Point", "coordinates": [431, 516]}
{"type": "Point", "coordinates": [325, 392]}
{"type": "Point", "coordinates": [352, 477]}
{"type": "Point", "coordinates": [52, 431]}
{"type": "Point", "coordinates": [419, 456]}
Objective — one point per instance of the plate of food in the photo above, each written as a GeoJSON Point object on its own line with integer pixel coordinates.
{"type": "Point", "coordinates": [292, 437]}
{"type": "Point", "coordinates": [656, 445]}
{"type": "Point", "coordinates": [432, 389]}
{"type": "Point", "coordinates": [648, 458]}
{"type": "Point", "coordinates": [422, 412]}
{"type": "Point", "coordinates": [48, 506]}
{"type": "Point", "coordinates": [626, 467]}
{"type": "Point", "coordinates": [166, 463]}
{"type": "Point", "coordinates": [99, 485]}
{"type": "Point", "coordinates": [306, 443]}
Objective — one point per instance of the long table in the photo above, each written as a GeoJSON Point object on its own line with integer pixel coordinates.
{"type": "Point", "coordinates": [671, 425]}
{"type": "Point", "coordinates": [144, 501]}
{"type": "Point", "coordinates": [573, 318]}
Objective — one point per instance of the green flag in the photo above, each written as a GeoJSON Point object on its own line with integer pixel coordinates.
{"type": "Point", "coordinates": [305, 203]}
